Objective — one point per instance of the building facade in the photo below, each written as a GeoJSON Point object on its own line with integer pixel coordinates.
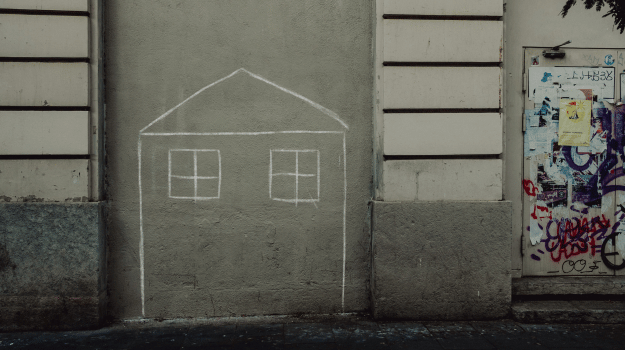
{"type": "Point", "coordinates": [407, 158]}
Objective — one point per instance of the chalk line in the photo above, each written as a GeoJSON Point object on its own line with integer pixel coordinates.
{"type": "Point", "coordinates": [256, 133]}
{"type": "Point", "coordinates": [344, 214]}
{"type": "Point", "coordinates": [141, 267]}
{"type": "Point", "coordinates": [270, 171]}
{"type": "Point", "coordinates": [314, 104]}
{"type": "Point", "coordinates": [195, 177]}
{"type": "Point", "coordinates": [219, 181]}
{"type": "Point", "coordinates": [317, 106]}
{"type": "Point", "coordinates": [190, 97]}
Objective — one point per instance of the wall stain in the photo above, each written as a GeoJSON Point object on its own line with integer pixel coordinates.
{"type": "Point", "coordinates": [77, 199]}
{"type": "Point", "coordinates": [5, 260]}
{"type": "Point", "coordinates": [31, 198]}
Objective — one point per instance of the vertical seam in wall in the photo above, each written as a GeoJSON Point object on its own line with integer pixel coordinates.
{"type": "Point", "coordinates": [372, 259]}
{"type": "Point", "coordinates": [377, 53]}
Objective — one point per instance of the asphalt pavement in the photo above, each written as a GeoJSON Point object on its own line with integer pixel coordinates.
{"type": "Point", "coordinates": [327, 333]}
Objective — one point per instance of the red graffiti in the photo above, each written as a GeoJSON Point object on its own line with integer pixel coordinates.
{"type": "Point", "coordinates": [541, 213]}
{"type": "Point", "coordinates": [530, 188]}
{"type": "Point", "coordinates": [575, 236]}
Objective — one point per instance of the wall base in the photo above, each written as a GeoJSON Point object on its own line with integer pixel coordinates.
{"type": "Point", "coordinates": [609, 285]}
{"type": "Point", "coordinates": [52, 266]}
{"type": "Point", "coordinates": [441, 260]}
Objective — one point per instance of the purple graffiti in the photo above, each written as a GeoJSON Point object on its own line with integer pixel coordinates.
{"type": "Point", "coordinates": [606, 171]}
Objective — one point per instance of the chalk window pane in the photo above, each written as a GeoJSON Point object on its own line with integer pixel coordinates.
{"type": "Point", "coordinates": [307, 188]}
{"type": "Point", "coordinates": [194, 174]}
{"type": "Point", "coordinates": [283, 162]}
{"type": "Point", "coordinates": [294, 176]}
{"type": "Point", "coordinates": [208, 163]}
{"type": "Point", "coordinates": [207, 188]}
{"type": "Point", "coordinates": [283, 187]}
{"type": "Point", "coordinates": [181, 163]}
{"type": "Point", "coordinates": [182, 188]}
{"type": "Point", "coordinates": [307, 162]}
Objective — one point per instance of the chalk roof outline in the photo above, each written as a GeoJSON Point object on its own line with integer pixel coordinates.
{"type": "Point", "coordinates": [317, 106]}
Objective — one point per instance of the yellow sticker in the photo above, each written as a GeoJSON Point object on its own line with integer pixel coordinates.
{"type": "Point", "coordinates": [575, 118]}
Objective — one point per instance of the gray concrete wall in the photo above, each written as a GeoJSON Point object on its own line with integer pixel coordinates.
{"type": "Point", "coordinates": [52, 266]}
{"type": "Point", "coordinates": [245, 252]}
{"type": "Point", "coordinates": [441, 260]}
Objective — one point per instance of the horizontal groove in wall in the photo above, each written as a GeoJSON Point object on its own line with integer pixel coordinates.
{"type": "Point", "coordinates": [43, 12]}
{"type": "Point", "coordinates": [444, 18]}
{"type": "Point", "coordinates": [46, 59]}
{"type": "Point", "coordinates": [436, 157]}
{"type": "Point", "coordinates": [441, 64]}
{"type": "Point", "coordinates": [569, 297]}
{"type": "Point", "coordinates": [43, 108]}
{"type": "Point", "coordinates": [442, 110]}
{"type": "Point", "coordinates": [44, 156]}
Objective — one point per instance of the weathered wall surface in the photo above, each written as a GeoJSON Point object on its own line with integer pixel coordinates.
{"type": "Point", "coordinates": [441, 260]}
{"type": "Point", "coordinates": [52, 266]}
{"type": "Point", "coordinates": [536, 23]}
{"type": "Point", "coordinates": [52, 255]}
{"type": "Point", "coordinates": [438, 85]}
{"type": "Point", "coordinates": [244, 252]}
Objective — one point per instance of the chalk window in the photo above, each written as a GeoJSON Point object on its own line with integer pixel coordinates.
{"type": "Point", "coordinates": [294, 176]}
{"type": "Point", "coordinates": [194, 174]}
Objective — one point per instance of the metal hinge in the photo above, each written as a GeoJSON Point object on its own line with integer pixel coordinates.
{"type": "Point", "coordinates": [522, 244]}
{"type": "Point", "coordinates": [524, 82]}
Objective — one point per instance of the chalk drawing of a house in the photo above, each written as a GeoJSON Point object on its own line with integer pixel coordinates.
{"type": "Point", "coordinates": [242, 192]}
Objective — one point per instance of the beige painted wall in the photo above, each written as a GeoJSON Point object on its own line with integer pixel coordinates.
{"type": "Point", "coordinates": [51, 59]}
{"type": "Point", "coordinates": [435, 78]}
{"type": "Point", "coordinates": [537, 23]}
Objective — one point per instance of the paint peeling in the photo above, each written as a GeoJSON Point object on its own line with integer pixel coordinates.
{"type": "Point", "coordinates": [536, 232]}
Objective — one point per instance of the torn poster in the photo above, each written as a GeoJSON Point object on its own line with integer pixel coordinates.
{"type": "Point", "coordinates": [546, 101]}
{"type": "Point", "coordinates": [553, 189]}
{"type": "Point", "coordinates": [575, 118]}
{"type": "Point", "coordinates": [622, 86]}
{"type": "Point", "coordinates": [599, 79]}
{"type": "Point", "coordinates": [582, 189]}
{"type": "Point", "coordinates": [536, 232]}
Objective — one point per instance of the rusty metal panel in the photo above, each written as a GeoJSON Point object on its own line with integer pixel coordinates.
{"type": "Point", "coordinates": [443, 41]}
{"type": "Point", "coordinates": [55, 5]}
{"type": "Point", "coordinates": [442, 133]}
{"type": "Point", "coordinates": [44, 132]}
{"type": "Point", "coordinates": [44, 36]}
{"type": "Point", "coordinates": [44, 84]}
{"type": "Point", "coordinates": [444, 7]}
{"type": "Point", "coordinates": [442, 179]}
{"type": "Point", "coordinates": [442, 87]}
{"type": "Point", "coordinates": [44, 180]}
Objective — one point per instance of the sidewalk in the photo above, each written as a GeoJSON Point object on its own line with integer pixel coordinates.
{"type": "Point", "coordinates": [325, 333]}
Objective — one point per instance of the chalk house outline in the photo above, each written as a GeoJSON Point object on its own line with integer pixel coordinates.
{"type": "Point", "coordinates": [311, 197]}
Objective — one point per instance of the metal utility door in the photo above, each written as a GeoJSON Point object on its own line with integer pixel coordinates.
{"type": "Point", "coordinates": [573, 181]}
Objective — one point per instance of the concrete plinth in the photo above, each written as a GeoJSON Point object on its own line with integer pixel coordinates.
{"type": "Point", "coordinates": [441, 260]}
{"type": "Point", "coordinates": [52, 266]}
